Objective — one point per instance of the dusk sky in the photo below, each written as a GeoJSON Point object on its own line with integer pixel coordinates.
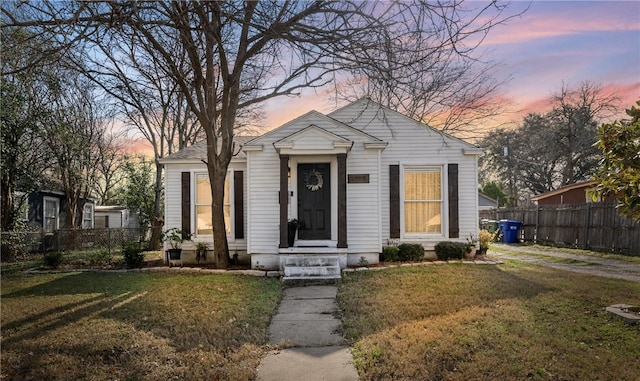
{"type": "Point", "coordinates": [551, 43]}
{"type": "Point", "coordinates": [554, 41]}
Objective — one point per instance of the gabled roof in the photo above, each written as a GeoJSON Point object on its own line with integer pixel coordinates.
{"type": "Point", "coordinates": [484, 200]}
{"type": "Point", "coordinates": [366, 102]}
{"type": "Point", "coordinates": [198, 151]}
{"type": "Point", "coordinates": [110, 208]}
{"type": "Point", "coordinates": [319, 136]}
{"type": "Point", "coordinates": [309, 115]}
{"type": "Point", "coordinates": [566, 188]}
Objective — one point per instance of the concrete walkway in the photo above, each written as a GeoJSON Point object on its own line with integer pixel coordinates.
{"type": "Point", "coordinates": [310, 333]}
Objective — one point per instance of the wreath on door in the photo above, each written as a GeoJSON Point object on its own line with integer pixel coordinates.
{"type": "Point", "coordinates": [313, 180]}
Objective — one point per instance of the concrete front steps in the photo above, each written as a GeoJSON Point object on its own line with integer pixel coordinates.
{"type": "Point", "coordinates": [311, 268]}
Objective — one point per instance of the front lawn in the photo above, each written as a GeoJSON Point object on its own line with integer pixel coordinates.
{"type": "Point", "coordinates": [473, 322]}
{"type": "Point", "coordinates": [134, 326]}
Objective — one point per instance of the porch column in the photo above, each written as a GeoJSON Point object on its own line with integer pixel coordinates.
{"type": "Point", "coordinates": [342, 200]}
{"type": "Point", "coordinates": [284, 201]}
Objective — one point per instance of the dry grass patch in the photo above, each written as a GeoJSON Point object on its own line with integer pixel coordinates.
{"type": "Point", "coordinates": [135, 326]}
{"type": "Point", "coordinates": [463, 322]}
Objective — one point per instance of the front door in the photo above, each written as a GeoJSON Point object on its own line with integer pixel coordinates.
{"type": "Point", "coordinates": [314, 201]}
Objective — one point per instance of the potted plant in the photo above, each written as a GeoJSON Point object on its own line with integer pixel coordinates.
{"type": "Point", "coordinates": [201, 252]}
{"type": "Point", "coordinates": [175, 237]}
{"type": "Point", "coordinates": [294, 225]}
{"type": "Point", "coordinates": [484, 238]}
{"type": "Point", "coordinates": [470, 247]}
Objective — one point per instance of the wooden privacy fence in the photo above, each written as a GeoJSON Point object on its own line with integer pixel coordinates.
{"type": "Point", "coordinates": [594, 226]}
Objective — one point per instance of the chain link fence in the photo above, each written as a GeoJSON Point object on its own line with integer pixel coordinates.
{"type": "Point", "coordinates": [111, 239]}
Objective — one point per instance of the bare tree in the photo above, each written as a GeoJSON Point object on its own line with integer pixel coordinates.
{"type": "Point", "coordinates": [429, 68]}
{"type": "Point", "coordinates": [73, 136]}
{"type": "Point", "coordinates": [110, 167]}
{"type": "Point", "coordinates": [149, 100]}
{"type": "Point", "coordinates": [575, 115]}
{"type": "Point", "coordinates": [24, 101]}
{"type": "Point", "coordinates": [547, 151]}
{"type": "Point", "coordinates": [241, 54]}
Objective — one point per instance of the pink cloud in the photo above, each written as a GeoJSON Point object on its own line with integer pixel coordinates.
{"type": "Point", "coordinates": [550, 19]}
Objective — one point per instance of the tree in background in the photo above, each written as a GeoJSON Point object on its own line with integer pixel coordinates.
{"type": "Point", "coordinates": [110, 170]}
{"type": "Point", "coordinates": [547, 151]}
{"type": "Point", "coordinates": [493, 190]}
{"type": "Point", "coordinates": [136, 190]}
{"type": "Point", "coordinates": [24, 110]}
{"type": "Point", "coordinates": [149, 100]}
{"type": "Point", "coordinates": [619, 172]}
{"type": "Point", "coordinates": [574, 118]}
{"type": "Point", "coordinates": [241, 54]}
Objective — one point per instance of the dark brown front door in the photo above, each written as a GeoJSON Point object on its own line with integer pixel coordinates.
{"type": "Point", "coordinates": [314, 201]}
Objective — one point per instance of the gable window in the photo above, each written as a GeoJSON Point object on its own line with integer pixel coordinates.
{"type": "Point", "coordinates": [423, 200]}
{"type": "Point", "coordinates": [50, 218]}
{"type": "Point", "coordinates": [203, 205]}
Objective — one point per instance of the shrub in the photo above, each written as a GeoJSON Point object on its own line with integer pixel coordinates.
{"type": "Point", "coordinates": [53, 259]}
{"type": "Point", "coordinates": [410, 252]}
{"type": "Point", "coordinates": [485, 238]}
{"type": "Point", "coordinates": [133, 256]}
{"type": "Point", "coordinates": [390, 254]}
{"type": "Point", "coordinates": [450, 250]}
{"type": "Point", "coordinates": [101, 256]}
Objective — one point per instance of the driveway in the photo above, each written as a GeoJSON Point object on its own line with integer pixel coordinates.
{"type": "Point", "coordinates": [610, 268]}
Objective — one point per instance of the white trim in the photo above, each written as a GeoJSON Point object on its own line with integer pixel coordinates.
{"type": "Point", "coordinates": [91, 215]}
{"type": "Point", "coordinates": [231, 237]}
{"type": "Point", "coordinates": [376, 145]}
{"type": "Point", "coordinates": [247, 199]}
{"type": "Point", "coordinates": [303, 152]}
{"type": "Point", "coordinates": [44, 212]}
{"type": "Point", "coordinates": [444, 223]}
{"type": "Point", "coordinates": [378, 177]}
{"type": "Point", "coordinates": [318, 243]}
{"type": "Point", "coordinates": [293, 187]}
{"type": "Point", "coordinates": [473, 151]}
{"type": "Point", "coordinates": [257, 147]}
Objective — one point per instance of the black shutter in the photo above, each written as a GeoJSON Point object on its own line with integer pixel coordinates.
{"type": "Point", "coordinates": [186, 202]}
{"type": "Point", "coordinates": [394, 201]}
{"type": "Point", "coordinates": [454, 215]}
{"type": "Point", "coordinates": [238, 203]}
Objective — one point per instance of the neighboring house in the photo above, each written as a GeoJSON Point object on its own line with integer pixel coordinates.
{"type": "Point", "coordinates": [47, 210]}
{"type": "Point", "coordinates": [359, 178]}
{"type": "Point", "coordinates": [111, 217]}
{"type": "Point", "coordinates": [485, 202]}
{"type": "Point", "coordinates": [577, 193]}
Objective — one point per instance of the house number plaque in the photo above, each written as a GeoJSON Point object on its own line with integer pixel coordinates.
{"type": "Point", "coordinates": [358, 179]}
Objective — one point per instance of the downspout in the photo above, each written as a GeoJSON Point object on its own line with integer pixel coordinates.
{"type": "Point", "coordinates": [379, 178]}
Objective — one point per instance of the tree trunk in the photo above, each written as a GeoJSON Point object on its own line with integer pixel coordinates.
{"type": "Point", "coordinates": [217, 176]}
{"type": "Point", "coordinates": [8, 216]}
{"type": "Point", "coordinates": [156, 218]}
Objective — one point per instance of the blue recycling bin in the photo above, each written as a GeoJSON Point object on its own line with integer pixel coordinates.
{"type": "Point", "coordinates": [509, 230]}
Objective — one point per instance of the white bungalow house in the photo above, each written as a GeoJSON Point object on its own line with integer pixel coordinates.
{"type": "Point", "coordinates": [359, 178]}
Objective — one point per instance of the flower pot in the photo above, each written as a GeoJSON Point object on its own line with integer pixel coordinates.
{"type": "Point", "coordinates": [174, 254]}
{"type": "Point", "coordinates": [471, 254]}
{"type": "Point", "coordinates": [292, 236]}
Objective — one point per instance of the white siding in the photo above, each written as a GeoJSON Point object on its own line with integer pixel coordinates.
{"type": "Point", "coordinates": [410, 142]}
{"type": "Point", "coordinates": [362, 199]}
{"type": "Point", "coordinates": [264, 185]}
{"type": "Point", "coordinates": [173, 200]}
{"type": "Point", "coordinates": [363, 202]}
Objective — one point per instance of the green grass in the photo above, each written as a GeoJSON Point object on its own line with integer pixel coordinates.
{"type": "Point", "coordinates": [464, 322]}
{"type": "Point", "coordinates": [135, 326]}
